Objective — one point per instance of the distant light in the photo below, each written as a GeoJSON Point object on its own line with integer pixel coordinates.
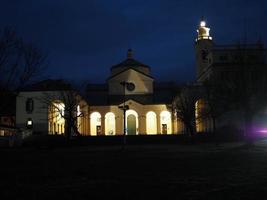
{"type": "Point", "coordinates": [202, 23]}
{"type": "Point", "coordinates": [29, 122]}
{"type": "Point", "coordinates": [262, 131]}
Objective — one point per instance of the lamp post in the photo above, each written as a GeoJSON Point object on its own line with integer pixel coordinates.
{"type": "Point", "coordinates": [124, 108]}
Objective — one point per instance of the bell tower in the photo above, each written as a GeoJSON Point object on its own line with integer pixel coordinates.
{"type": "Point", "coordinates": [203, 46]}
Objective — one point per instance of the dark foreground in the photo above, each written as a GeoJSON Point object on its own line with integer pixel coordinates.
{"type": "Point", "coordinates": [228, 171]}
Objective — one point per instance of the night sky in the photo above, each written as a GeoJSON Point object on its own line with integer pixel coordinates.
{"type": "Point", "coordinates": [84, 38]}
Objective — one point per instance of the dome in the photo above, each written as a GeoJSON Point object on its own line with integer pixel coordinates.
{"type": "Point", "coordinates": [130, 63]}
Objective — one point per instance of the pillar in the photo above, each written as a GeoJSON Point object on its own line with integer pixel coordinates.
{"type": "Point", "coordinates": [158, 124]}
{"type": "Point", "coordinates": [142, 125]}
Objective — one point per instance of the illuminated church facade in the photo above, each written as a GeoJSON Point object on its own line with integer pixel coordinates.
{"type": "Point", "coordinates": [131, 100]}
{"type": "Point", "coordinates": [130, 86]}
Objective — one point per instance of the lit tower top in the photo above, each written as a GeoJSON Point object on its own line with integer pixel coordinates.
{"type": "Point", "coordinates": [203, 31]}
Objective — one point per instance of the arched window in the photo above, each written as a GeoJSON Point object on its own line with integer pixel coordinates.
{"type": "Point", "coordinates": [109, 124]}
{"type": "Point", "coordinates": [132, 122]}
{"type": "Point", "coordinates": [151, 123]}
{"type": "Point", "coordinates": [56, 118]}
{"type": "Point", "coordinates": [200, 115]}
{"type": "Point", "coordinates": [79, 119]}
{"type": "Point", "coordinates": [29, 105]}
{"type": "Point", "coordinates": [95, 123]}
{"type": "Point", "coordinates": [166, 122]}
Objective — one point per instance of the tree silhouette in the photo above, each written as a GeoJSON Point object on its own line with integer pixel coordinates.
{"type": "Point", "coordinates": [184, 107]}
{"type": "Point", "coordinates": [20, 63]}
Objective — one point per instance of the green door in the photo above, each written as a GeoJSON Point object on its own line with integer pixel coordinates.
{"type": "Point", "coordinates": [131, 125]}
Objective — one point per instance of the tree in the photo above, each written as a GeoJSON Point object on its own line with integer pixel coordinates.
{"type": "Point", "coordinates": [20, 63]}
{"type": "Point", "coordinates": [216, 101]}
{"type": "Point", "coordinates": [184, 107]}
{"type": "Point", "coordinates": [245, 86]}
{"type": "Point", "coordinates": [68, 103]}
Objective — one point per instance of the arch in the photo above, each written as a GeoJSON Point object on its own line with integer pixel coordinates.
{"type": "Point", "coordinates": [151, 123]}
{"type": "Point", "coordinates": [79, 119]}
{"type": "Point", "coordinates": [132, 125]}
{"type": "Point", "coordinates": [165, 122]}
{"type": "Point", "coordinates": [95, 123]}
{"type": "Point", "coordinates": [200, 115]}
{"type": "Point", "coordinates": [110, 124]}
{"type": "Point", "coordinates": [56, 120]}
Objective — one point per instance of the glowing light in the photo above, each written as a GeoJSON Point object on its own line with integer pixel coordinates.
{"type": "Point", "coordinates": [203, 32]}
{"type": "Point", "coordinates": [262, 131]}
{"type": "Point", "coordinates": [151, 123]}
{"type": "Point", "coordinates": [259, 131]}
{"type": "Point", "coordinates": [165, 121]}
{"type": "Point", "coordinates": [95, 122]}
{"type": "Point", "coordinates": [202, 23]}
{"type": "Point", "coordinates": [29, 122]}
{"type": "Point", "coordinates": [199, 110]}
{"type": "Point", "coordinates": [56, 118]}
{"type": "Point", "coordinates": [110, 124]}
{"type": "Point", "coordinates": [79, 119]}
{"type": "Point", "coordinates": [130, 124]}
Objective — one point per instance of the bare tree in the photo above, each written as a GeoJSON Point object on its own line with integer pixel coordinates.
{"type": "Point", "coordinates": [246, 86]}
{"type": "Point", "coordinates": [184, 107]}
{"type": "Point", "coordinates": [20, 63]}
{"type": "Point", "coordinates": [216, 101]}
{"type": "Point", "coordinates": [67, 103]}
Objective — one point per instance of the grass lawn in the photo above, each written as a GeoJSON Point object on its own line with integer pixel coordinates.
{"type": "Point", "coordinates": [203, 171]}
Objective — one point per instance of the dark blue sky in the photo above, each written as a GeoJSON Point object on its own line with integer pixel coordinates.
{"type": "Point", "coordinates": [84, 38]}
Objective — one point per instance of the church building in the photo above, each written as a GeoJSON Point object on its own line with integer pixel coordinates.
{"type": "Point", "coordinates": [242, 66]}
{"type": "Point", "coordinates": [130, 95]}
{"type": "Point", "coordinates": [131, 101]}
{"type": "Point", "coordinates": [131, 86]}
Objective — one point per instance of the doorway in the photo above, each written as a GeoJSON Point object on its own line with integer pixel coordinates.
{"type": "Point", "coordinates": [131, 125]}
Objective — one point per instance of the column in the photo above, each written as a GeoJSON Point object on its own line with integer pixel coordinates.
{"type": "Point", "coordinates": [119, 124]}
{"type": "Point", "coordinates": [158, 124]}
{"type": "Point", "coordinates": [103, 124]}
{"type": "Point", "coordinates": [142, 125]}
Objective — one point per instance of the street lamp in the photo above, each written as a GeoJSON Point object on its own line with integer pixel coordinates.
{"type": "Point", "coordinates": [124, 108]}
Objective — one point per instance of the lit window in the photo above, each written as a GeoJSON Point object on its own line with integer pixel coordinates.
{"type": "Point", "coordinates": [95, 123]}
{"type": "Point", "coordinates": [151, 123]}
{"type": "Point", "coordinates": [56, 117]}
{"type": "Point", "coordinates": [165, 121]}
{"type": "Point", "coordinates": [110, 124]}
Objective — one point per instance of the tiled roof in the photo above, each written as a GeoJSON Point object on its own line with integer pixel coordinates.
{"type": "Point", "coordinates": [130, 62]}
{"type": "Point", "coordinates": [127, 68]}
{"type": "Point", "coordinates": [48, 85]}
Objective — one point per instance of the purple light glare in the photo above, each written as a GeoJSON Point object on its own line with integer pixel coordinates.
{"type": "Point", "coordinates": [262, 131]}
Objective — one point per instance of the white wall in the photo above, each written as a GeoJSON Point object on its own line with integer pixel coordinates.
{"type": "Point", "coordinates": [39, 115]}
{"type": "Point", "coordinates": [143, 84]}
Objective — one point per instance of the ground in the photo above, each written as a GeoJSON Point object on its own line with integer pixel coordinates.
{"type": "Point", "coordinates": [203, 171]}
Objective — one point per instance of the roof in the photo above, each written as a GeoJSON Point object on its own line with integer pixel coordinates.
{"type": "Point", "coordinates": [163, 94]}
{"type": "Point", "coordinates": [130, 62]}
{"type": "Point", "coordinates": [132, 69]}
{"type": "Point", "coordinates": [48, 85]}
{"type": "Point", "coordinates": [97, 87]}
{"type": "Point", "coordinates": [256, 46]}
